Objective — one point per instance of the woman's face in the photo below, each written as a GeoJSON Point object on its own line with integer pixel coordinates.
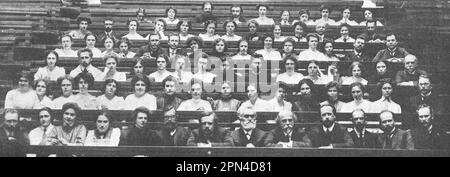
{"type": "Point", "coordinates": [288, 47]}
{"type": "Point", "coordinates": [159, 26]}
{"type": "Point", "coordinates": [386, 90]}
{"type": "Point", "coordinates": [138, 68]}
{"type": "Point", "coordinates": [298, 30]}
{"type": "Point", "coordinates": [220, 46]}
{"type": "Point", "coordinates": [243, 47]}
{"type": "Point", "coordinates": [290, 65]}
{"type": "Point", "coordinates": [346, 13]}
{"type": "Point", "coordinates": [381, 68]}
{"type": "Point", "coordinates": [51, 60]}
{"type": "Point", "coordinates": [344, 31]}
{"type": "Point", "coordinates": [277, 30]}
{"type": "Point", "coordinates": [90, 41]}
{"type": "Point", "coordinates": [66, 42]}
{"type": "Point", "coordinates": [83, 85]}
{"type": "Point", "coordinates": [66, 87]}
{"type": "Point", "coordinates": [357, 93]}
{"type": "Point", "coordinates": [313, 69]}
{"type": "Point", "coordinates": [109, 43]}
{"type": "Point", "coordinates": [285, 16]}
{"type": "Point", "coordinates": [41, 88]}
{"type": "Point", "coordinates": [184, 27]}
{"type": "Point", "coordinates": [171, 14]}
{"type": "Point", "coordinates": [102, 124]}
{"type": "Point", "coordinates": [194, 45]}
{"type": "Point", "coordinates": [312, 43]}
{"type": "Point", "coordinates": [132, 26]}
{"type": "Point", "coordinates": [305, 90]}
{"type": "Point", "coordinates": [252, 28]}
{"type": "Point", "coordinates": [268, 42]}
{"type": "Point", "coordinates": [368, 15]}
{"type": "Point", "coordinates": [304, 18]}
{"type": "Point", "coordinates": [44, 118]}
{"type": "Point", "coordinates": [139, 88]}
{"type": "Point", "coordinates": [332, 93]}
{"type": "Point", "coordinates": [23, 83]}
{"type": "Point", "coordinates": [230, 28]}
{"type": "Point", "coordinates": [180, 64]}
{"type": "Point", "coordinates": [262, 11]}
{"type": "Point", "coordinates": [110, 89]}
{"type": "Point", "coordinates": [356, 71]}
{"type": "Point", "coordinates": [161, 63]}
{"type": "Point", "coordinates": [111, 63]}
{"type": "Point", "coordinates": [329, 48]}
{"type": "Point", "coordinates": [211, 28]}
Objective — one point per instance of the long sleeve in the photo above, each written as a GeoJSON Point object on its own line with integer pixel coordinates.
{"type": "Point", "coordinates": [9, 99]}
{"type": "Point", "coordinates": [306, 142]}
{"type": "Point", "coordinates": [192, 139]}
{"type": "Point", "coordinates": [115, 137]}
{"type": "Point", "coordinates": [227, 140]}
{"type": "Point", "coordinates": [409, 140]}
{"type": "Point", "coordinates": [52, 136]}
{"type": "Point", "coordinates": [348, 141]}
{"type": "Point", "coordinates": [89, 141]}
{"type": "Point", "coordinates": [378, 56]}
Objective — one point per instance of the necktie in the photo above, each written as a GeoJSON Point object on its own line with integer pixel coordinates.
{"type": "Point", "coordinates": [388, 142]}
{"type": "Point", "coordinates": [247, 135]}
{"type": "Point", "coordinates": [44, 136]}
{"type": "Point", "coordinates": [345, 39]}
{"type": "Point", "coordinates": [172, 141]}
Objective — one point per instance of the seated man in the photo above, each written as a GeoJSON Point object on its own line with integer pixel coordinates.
{"type": "Point", "coordinates": [38, 136]}
{"type": "Point", "coordinates": [85, 57]}
{"type": "Point", "coordinates": [83, 23]}
{"type": "Point", "coordinates": [226, 102]}
{"type": "Point", "coordinates": [330, 134]}
{"type": "Point", "coordinates": [140, 134]}
{"type": "Point", "coordinates": [207, 14]}
{"type": "Point", "coordinates": [360, 136]}
{"type": "Point", "coordinates": [108, 32]}
{"type": "Point", "coordinates": [286, 135]}
{"type": "Point", "coordinates": [428, 135]}
{"type": "Point", "coordinates": [168, 100]}
{"type": "Point", "coordinates": [392, 53]}
{"type": "Point", "coordinates": [196, 103]}
{"type": "Point", "coordinates": [236, 14]}
{"type": "Point", "coordinates": [248, 135]}
{"type": "Point", "coordinates": [410, 75]}
{"type": "Point", "coordinates": [393, 137]}
{"type": "Point", "coordinates": [426, 96]}
{"type": "Point", "coordinates": [358, 53]}
{"type": "Point", "coordinates": [171, 134]}
{"type": "Point", "coordinates": [13, 138]}
{"type": "Point", "coordinates": [152, 50]}
{"type": "Point", "coordinates": [371, 35]}
{"type": "Point", "coordinates": [209, 134]}
{"type": "Point", "coordinates": [71, 132]}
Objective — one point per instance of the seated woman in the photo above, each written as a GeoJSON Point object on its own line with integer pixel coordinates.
{"type": "Point", "coordinates": [104, 134]}
{"type": "Point", "coordinates": [356, 70]}
{"type": "Point", "coordinates": [312, 53]}
{"type": "Point", "coordinates": [230, 27]}
{"type": "Point", "coordinates": [140, 97]}
{"type": "Point", "coordinates": [315, 75]}
{"type": "Point", "coordinates": [71, 132]}
{"type": "Point", "coordinates": [193, 44]}
{"type": "Point", "coordinates": [307, 101]}
{"type": "Point", "coordinates": [196, 103]}
{"type": "Point", "coordinates": [66, 84]}
{"type": "Point", "coordinates": [358, 90]}
{"type": "Point", "coordinates": [210, 34]}
{"type": "Point", "coordinates": [290, 76]}
{"type": "Point", "coordinates": [110, 100]}
{"type": "Point", "coordinates": [368, 16]}
{"type": "Point", "coordinates": [136, 69]}
{"type": "Point", "coordinates": [50, 71]}
{"type": "Point", "coordinates": [288, 48]}
{"type": "Point", "coordinates": [38, 136]}
{"type": "Point", "coordinates": [252, 34]}
{"type": "Point", "coordinates": [345, 34]}
{"type": "Point", "coordinates": [242, 55]}
{"type": "Point", "coordinates": [263, 19]}
{"type": "Point", "coordinates": [284, 16]}
{"type": "Point", "coordinates": [332, 89]}
{"type": "Point", "coordinates": [110, 71]}
{"type": "Point", "coordinates": [133, 26]}
{"type": "Point", "coordinates": [226, 102]}
{"type": "Point", "coordinates": [202, 74]}
{"type": "Point", "coordinates": [182, 75]}
{"type": "Point", "coordinates": [140, 16]}
{"type": "Point", "coordinates": [161, 63]}
{"type": "Point", "coordinates": [304, 17]}
{"type": "Point", "coordinates": [299, 31]}
{"type": "Point", "coordinates": [386, 102]}
{"type": "Point", "coordinates": [160, 27]}
{"type": "Point", "coordinates": [124, 48]}
{"type": "Point", "coordinates": [90, 44]}
{"type": "Point", "coordinates": [171, 18]}
{"type": "Point", "coordinates": [278, 103]}
{"type": "Point", "coordinates": [183, 27]}
{"type": "Point", "coordinates": [383, 74]}
{"type": "Point", "coordinates": [140, 133]}
{"type": "Point", "coordinates": [328, 50]}
{"type": "Point", "coordinates": [84, 81]}
{"type": "Point", "coordinates": [108, 43]}
{"type": "Point", "coordinates": [325, 11]}
{"type": "Point", "coordinates": [23, 97]}
{"type": "Point", "coordinates": [346, 17]}
{"type": "Point", "coordinates": [220, 47]}
{"type": "Point", "coordinates": [40, 86]}
{"type": "Point", "coordinates": [277, 33]}
{"type": "Point", "coordinates": [268, 52]}
{"type": "Point", "coordinates": [66, 51]}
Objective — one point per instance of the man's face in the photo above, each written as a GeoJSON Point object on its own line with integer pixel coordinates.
{"type": "Point", "coordinates": [184, 27]}
{"type": "Point", "coordinates": [425, 117]}
{"type": "Point", "coordinates": [243, 47]}
{"type": "Point", "coordinates": [83, 85]}
{"type": "Point", "coordinates": [357, 93]}
{"type": "Point", "coordinates": [196, 91]}
{"type": "Point", "coordinates": [381, 68]}
{"type": "Point", "coordinates": [69, 117]}
{"type": "Point", "coordinates": [132, 26]}
{"type": "Point", "coordinates": [141, 120]}
{"type": "Point", "coordinates": [226, 89]}
{"type": "Point", "coordinates": [170, 120]}
{"type": "Point", "coordinates": [252, 93]}
{"type": "Point", "coordinates": [44, 118]}
{"type": "Point", "coordinates": [154, 41]}
{"type": "Point", "coordinates": [248, 119]}
{"type": "Point", "coordinates": [410, 63]}
{"type": "Point", "coordinates": [111, 63]}
{"type": "Point", "coordinates": [174, 41]}
{"type": "Point", "coordinates": [90, 41]}
{"type": "Point", "coordinates": [161, 63]}
{"type": "Point", "coordinates": [83, 25]}
{"type": "Point", "coordinates": [333, 93]}
{"type": "Point", "coordinates": [356, 71]}
{"type": "Point", "coordinates": [252, 28]}
{"type": "Point", "coordinates": [85, 59]}
{"type": "Point", "coordinates": [344, 31]}
{"type": "Point", "coordinates": [424, 85]}
{"type": "Point", "coordinates": [207, 123]}
{"type": "Point", "coordinates": [207, 7]}
{"type": "Point", "coordinates": [108, 25]}
{"type": "Point", "coordinates": [102, 124]}
{"type": "Point", "coordinates": [359, 44]}
{"type": "Point", "coordinates": [386, 90]}
{"type": "Point", "coordinates": [220, 46]}
{"type": "Point", "coordinates": [66, 42]}
{"type": "Point", "coordinates": [286, 121]}
{"type": "Point", "coordinates": [346, 13]}
{"type": "Point", "coordinates": [358, 119]}
{"type": "Point", "coordinates": [140, 16]}
{"type": "Point", "coordinates": [139, 88]}
{"type": "Point", "coordinates": [235, 12]}
{"type": "Point", "coordinates": [371, 27]}
{"type": "Point", "coordinates": [320, 28]}
{"type": "Point", "coordinates": [11, 120]}
{"type": "Point", "coordinates": [159, 26]}
{"type": "Point", "coordinates": [327, 115]}
{"type": "Point", "coordinates": [110, 88]}
{"type": "Point", "coordinates": [262, 11]}
{"type": "Point", "coordinates": [368, 15]}
{"type": "Point", "coordinates": [391, 42]}
{"type": "Point", "coordinates": [123, 47]}
{"type": "Point", "coordinates": [169, 87]}
{"type": "Point", "coordinates": [66, 87]}
{"type": "Point", "coordinates": [387, 121]}
{"type": "Point", "coordinates": [312, 43]}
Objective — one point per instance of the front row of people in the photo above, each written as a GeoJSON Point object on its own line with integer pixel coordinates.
{"type": "Point", "coordinates": [14, 138]}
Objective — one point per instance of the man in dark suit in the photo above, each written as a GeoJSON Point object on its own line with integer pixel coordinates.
{"type": "Point", "coordinates": [330, 134]}
{"type": "Point", "coordinates": [209, 134]}
{"type": "Point", "coordinates": [360, 136]}
{"type": "Point", "coordinates": [174, 49]}
{"type": "Point", "coordinates": [206, 14]}
{"type": "Point", "coordinates": [426, 96]}
{"type": "Point", "coordinates": [248, 135]}
{"type": "Point", "coordinates": [392, 53]}
{"type": "Point", "coordinates": [428, 135]}
{"type": "Point", "coordinates": [392, 137]}
{"type": "Point", "coordinates": [287, 135]}
{"type": "Point", "coordinates": [409, 76]}
{"type": "Point", "coordinates": [108, 32]}
{"type": "Point", "coordinates": [152, 50]}
{"type": "Point", "coordinates": [13, 139]}
{"type": "Point", "coordinates": [171, 134]}
{"type": "Point", "coordinates": [358, 53]}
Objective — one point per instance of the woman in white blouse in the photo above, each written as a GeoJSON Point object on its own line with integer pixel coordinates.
{"type": "Point", "coordinates": [290, 76]}
{"type": "Point", "coordinates": [66, 51]}
{"type": "Point", "coordinates": [83, 82]}
{"type": "Point", "coordinates": [304, 17]}
{"type": "Point", "coordinates": [285, 15]}
{"type": "Point", "coordinates": [263, 19]}
{"type": "Point", "coordinates": [161, 62]}
{"type": "Point", "coordinates": [124, 47]}
{"type": "Point", "coordinates": [110, 100]}
{"type": "Point", "coordinates": [91, 39]}
{"type": "Point", "coordinates": [346, 17]}
{"type": "Point", "coordinates": [109, 44]}
{"type": "Point", "coordinates": [277, 33]}
{"type": "Point", "coordinates": [41, 91]}
{"type": "Point", "coordinates": [356, 70]}
{"type": "Point", "coordinates": [210, 28]}
{"type": "Point", "coordinates": [23, 97]}
{"type": "Point", "coordinates": [171, 18]}
{"type": "Point", "coordinates": [183, 27]}
{"type": "Point", "coordinates": [133, 25]}
{"type": "Point", "coordinates": [50, 71]}
{"type": "Point", "coordinates": [230, 27]}
{"type": "Point", "coordinates": [104, 134]}
{"type": "Point", "coordinates": [110, 71]}
{"type": "Point", "coordinates": [140, 97]}
{"type": "Point", "coordinates": [268, 52]}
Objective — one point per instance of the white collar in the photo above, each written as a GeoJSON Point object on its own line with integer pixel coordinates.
{"type": "Point", "coordinates": [329, 129]}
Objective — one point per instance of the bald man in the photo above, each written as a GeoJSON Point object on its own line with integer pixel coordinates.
{"type": "Point", "coordinates": [409, 76]}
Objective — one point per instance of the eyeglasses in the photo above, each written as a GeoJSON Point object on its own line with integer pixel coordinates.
{"type": "Point", "coordinates": [207, 123]}
{"type": "Point", "coordinates": [85, 57]}
{"type": "Point", "coordinates": [170, 117]}
{"type": "Point", "coordinates": [138, 66]}
{"type": "Point", "coordinates": [358, 91]}
{"type": "Point", "coordinates": [249, 116]}
{"type": "Point", "coordinates": [102, 121]}
{"type": "Point", "coordinates": [287, 120]}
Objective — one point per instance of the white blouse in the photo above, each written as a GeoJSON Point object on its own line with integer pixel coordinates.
{"type": "Point", "coordinates": [45, 73]}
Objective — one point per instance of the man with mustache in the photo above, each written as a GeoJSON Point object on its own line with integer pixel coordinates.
{"type": "Point", "coordinates": [360, 136]}
{"type": "Point", "coordinates": [428, 135]}
{"type": "Point", "coordinates": [140, 134]}
{"type": "Point", "coordinates": [174, 49]}
{"type": "Point", "coordinates": [13, 138]}
{"type": "Point", "coordinates": [236, 14]}
{"type": "Point", "coordinates": [171, 134]}
{"type": "Point", "coordinates": [392, 53]}
{"type": "Point", "coordinates": [168, 101]}
{"type": "Point", "coordinates": [393, 137]}
{"type": "Point", "coordinates": [152, 50]}
{"type": "Point", "coordinates": [359, 53]}
{"type": "Point", "coordinates": [427, 95]}
{"type": "Point", "coordinates": [330, 134]}
{"type": "Point", "coordinates": [207, 14]}
{"type": "Point", "coordinates": [70, 133]}
{"type": "Point", "coordinates": [83, 23]}
{"type": "Point", "coordinates": [85, 57]}
{"type": "Point", "coordinates": [286, 135]}
{"type": "Point", "coordinates": [248, 135]}
{"type": "Point", "coordinates": [209, 134]}
{"type": "Point", "coordinates": [409, 76]}
{"type": "Point", "coordinates": [108, 32]}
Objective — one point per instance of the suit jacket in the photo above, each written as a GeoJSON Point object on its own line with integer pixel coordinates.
{"type": "Point", "coordinates": [178, 51]}
{"type": "Point", "coordinates": [164, 104]}
{"type": "Point", "coordinates": [401, 139]}
{"type": "Point", "coordinates": [339, 138]}
{"type": "Point", "coordinates": [259, 138]}
{"type": "Point", "coordinates": [180, 137]}
{"type": "Point", "coordinates": [369, 140]}
{"type": "Point", "coordinates": [220, 137]}
{"type": "Point", "coordinates": [102, 35]}
{"type": "Point", "coordinates": [299, 138]}
{"type": "Point", "coordinates": [13, 148]}
{"type": "Point", "coordinates": [422, 139]}
{"type": "Point", "coordinates": [384, 54]}
{"type": "Point", "coordinates": [433, 100]}
{"type": "Point", "coordinates": [405, 76]}
{"type": "Point", "coordinates": [139, 137]}
{"type": "Point", "coordinates": [351, 56]}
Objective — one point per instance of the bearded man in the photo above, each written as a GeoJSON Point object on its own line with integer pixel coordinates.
{"type": "Point", "coordinates": [287, 135]}
{"type": "Point", "coordinates": [248, 135]}
{"type": "Point", "coordinates": [209, 134]}
{"type": "Point", "coordinates": [360, 136]}
{"type": "Point", "coordinates": [171, 134]}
